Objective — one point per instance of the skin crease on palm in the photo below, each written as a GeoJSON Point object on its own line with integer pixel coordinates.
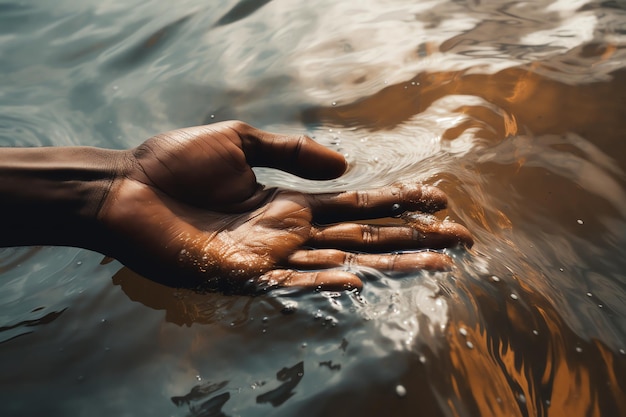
{"type": "Point", "coordinates": [185, 208]}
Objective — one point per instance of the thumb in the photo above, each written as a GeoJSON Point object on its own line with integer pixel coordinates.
{"type": "Point", "coordinates": [299, 155]}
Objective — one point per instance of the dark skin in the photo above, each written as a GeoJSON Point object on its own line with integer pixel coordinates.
{"type": "Point", "coordinates": [184, 208]}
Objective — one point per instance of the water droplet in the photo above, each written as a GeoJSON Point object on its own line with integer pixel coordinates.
{"type": "Point", "coordinates": [400, 390]}
{"type": "Point", "coordinates": [522, 398]}
{"type": "Point", "coordinates": [579, 349]}
{"type": "Point", "coordinates": [600, 305]}
{"type": "Point", "coordinates": [589, 294]}
{"type": "Point", "coordinates": [304, 345]}
{"type": "Point", "coordinates": [469, 344]}
{"type": "Point", "coordinates": [622, 351]}
{"type": "Point", "coordinates": [495, 278]}
{"type": "Point", "coordinates": [422, 359]}
{"type": "Point", "coordinates": [334, 103]}
{"type": "Point", "coordinates": [547, 403]}
{"type": "Point", "coordinates": [318, 315]}
{"type": "Point", "coordinates": [395, 207]}
{"type": "Point", "coordinates": [212, 116]}
{"type": "Point", "coordinates": [514, 296]}
{"type": "Point", "coordinates": [463, 331]}
{"type": "Point", "coordinates": [79, 263]}
{"type": "Point", "coordinates": [561, 269]}
{"type": "Point", "coordinates": [579, 221]}
{"type": "Point", "coordinates": [264, 319]}
{"type": "Point", "coordinates": [535, 332]}
{"type": "Point", "coordinates": [198, 377]}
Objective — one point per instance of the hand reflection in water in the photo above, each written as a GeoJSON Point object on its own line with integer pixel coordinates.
{"type": "Point", "coordinates": [190, 200]}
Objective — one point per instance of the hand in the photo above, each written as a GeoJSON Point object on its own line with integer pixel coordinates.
{"type": "Point", "coordinates": [186, 209]}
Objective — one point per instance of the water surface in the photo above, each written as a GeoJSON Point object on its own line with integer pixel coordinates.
{"type": "Point", "coordinates": [516, 109]}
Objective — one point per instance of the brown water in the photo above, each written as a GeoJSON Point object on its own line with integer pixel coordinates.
{"type": "Point", "coordinates": [516, 109]}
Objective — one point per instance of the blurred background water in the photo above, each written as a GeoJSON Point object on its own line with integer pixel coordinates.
{"type": "Point", "coordinates": [517, 110]}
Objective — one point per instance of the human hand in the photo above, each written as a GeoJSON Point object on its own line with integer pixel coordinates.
{"type": "Point", "coordinates": [186, 210]}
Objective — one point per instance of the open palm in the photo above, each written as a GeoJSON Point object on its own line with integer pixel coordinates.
{"type": "Point", "coordinates": [187, 210]}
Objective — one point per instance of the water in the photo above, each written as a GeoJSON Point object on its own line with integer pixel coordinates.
{"type": "Point", "coordinates": [516, 109]}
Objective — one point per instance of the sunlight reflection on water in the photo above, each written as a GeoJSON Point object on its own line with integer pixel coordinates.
{"type": "Point", "coordinates": [516, 110]}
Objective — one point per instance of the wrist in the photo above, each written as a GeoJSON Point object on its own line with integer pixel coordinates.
{"type": "Point", "coordinates": [52, 196]}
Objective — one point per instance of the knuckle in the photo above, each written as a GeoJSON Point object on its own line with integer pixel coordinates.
{"type": "Point", "coordinates": [368, 234]}
{"type": "Point", "coordinates": [362, 199]}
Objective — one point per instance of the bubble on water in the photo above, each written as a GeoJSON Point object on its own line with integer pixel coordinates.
{"type": "Point", "coordinates": [303, 345]}
{"type": "Point", "coordinates": [212, 116]}
{"type": "Point", "coordinates": [318, 315]}
{"type": "Point", "coordinates": [330, 320]}
{"type": "Point", "coordinates": [400, 390]}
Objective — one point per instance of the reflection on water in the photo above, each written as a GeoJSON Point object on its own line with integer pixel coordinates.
{"type": "Point", "coordinates": [516, 109]}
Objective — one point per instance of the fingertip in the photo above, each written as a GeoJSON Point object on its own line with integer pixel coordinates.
{"type": "Point", "coordinates": [317, 162]}
{"type": "Point", "coordinates": [433, 198]}
{"type": "Point", "coordinates": [338, 281]}
{"type": "Point", "coordinates": [459, 232]}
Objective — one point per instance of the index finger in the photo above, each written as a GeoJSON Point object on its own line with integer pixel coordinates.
{"type": "Point", "coordinates": [297, 154]}
{"type": "Point", "coordinates": [381, 202]}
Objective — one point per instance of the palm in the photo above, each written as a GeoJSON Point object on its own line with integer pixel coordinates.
{"type": "Point", "coordinates": [191, 213]}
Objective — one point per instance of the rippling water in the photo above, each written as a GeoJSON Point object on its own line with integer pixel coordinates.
{"type": "Point", "coordinates": [516, 109]}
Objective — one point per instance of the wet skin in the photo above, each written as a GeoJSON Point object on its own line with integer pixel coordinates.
{"type": "Point", "coordinates": [185, 208]}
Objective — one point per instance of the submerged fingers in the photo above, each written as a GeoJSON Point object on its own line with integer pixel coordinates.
{"type": "Point", "coordinates": [391, 262]}
{"type": "Point", "coordinates": [333, 280]}
{"type": "Point", "coordinates": [365, 237]}
{"type": "Point", "coordinates": [381, 202]}
{"type": "Point", "coordinates": [325, 278]}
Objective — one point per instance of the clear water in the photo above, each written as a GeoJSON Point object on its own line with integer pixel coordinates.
{"type": "Point", "coordinates": [516, 109]}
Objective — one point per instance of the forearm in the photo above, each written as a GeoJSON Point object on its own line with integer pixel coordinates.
{"type": "Point", "coordinates": [51, 196]}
